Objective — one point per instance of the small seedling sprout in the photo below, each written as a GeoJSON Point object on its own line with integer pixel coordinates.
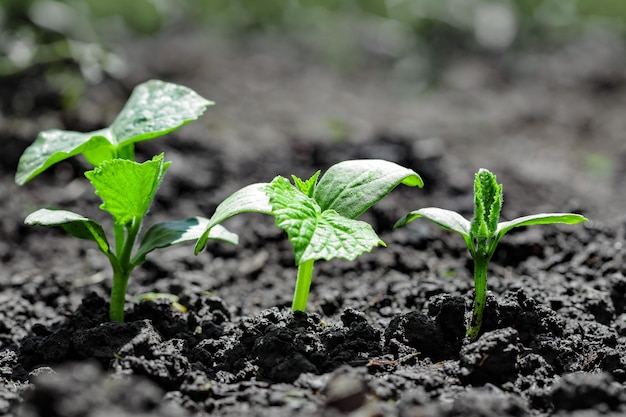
{"type": "Point", "coordinates": [125, 186]}
{"type": "Point", "coordinates": [319, 217]}
{"type": "Point", "coordinates": [484, 232]}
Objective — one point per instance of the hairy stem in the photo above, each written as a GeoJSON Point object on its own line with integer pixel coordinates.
{"type": "Point", "coordinates": [303, 285]}
{"type": "Point", "coordinates": [481, 263]}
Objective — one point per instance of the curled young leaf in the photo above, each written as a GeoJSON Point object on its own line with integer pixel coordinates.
{"type": "Point", "coordinates": [487, 205]}
{"type": "Point", "coordinates": [308, 186]}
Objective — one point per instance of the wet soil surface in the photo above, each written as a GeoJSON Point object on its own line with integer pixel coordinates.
{"type": "Point", "coordinates": [384, 335]}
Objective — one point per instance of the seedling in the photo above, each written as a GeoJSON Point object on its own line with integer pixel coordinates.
{"type": "Point", "coordinates": [126, 187]}
{"type": "Point", "coordinates": [483, 233]}
{"type": "Point", "coordinates": [320, 217]}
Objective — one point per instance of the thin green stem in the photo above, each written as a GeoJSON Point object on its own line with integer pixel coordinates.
{"type": "Point", "coordinates": [481, 264]}
{"type": "Point", "coordinates": [120, 236]}
{"type": "Point", "coordinates": [129, 243]}
{"type": "Point", "coordinates": [303, 285]}
{"type": "Point", "coordinates": [118, 295]}
{"type": "Point", "coordinates": [121, 271]}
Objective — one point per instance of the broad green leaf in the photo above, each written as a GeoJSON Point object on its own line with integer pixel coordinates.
{"type": "Point", "coordinates": [316, 234]}
{"type": "Point", "coordinates": [351, 187]}
{"type": "Point", "coordinates": [162, 235]}
{"type": "Point", "coordinates": [73, 223]}
{"type": "Point", "coordinates": [249, 199]}
{"type": "Point", "coordinates": [541, 218]}
{"type": "Point", "coordinates": [154, 109]}
{"type": "Point", "coordinates": [53, 146]}
{"type": "Point", "coordinates": [127, 187]}
{"type": "Point", "coordinates": [308, 186]}
{"type": "Point", "coordinates": [447, 219]}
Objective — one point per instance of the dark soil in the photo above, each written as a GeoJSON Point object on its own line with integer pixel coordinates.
{"type": "Point", "coordinates": [384, 335]}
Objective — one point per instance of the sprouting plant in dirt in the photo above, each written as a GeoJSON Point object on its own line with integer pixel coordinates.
{"type": "Point", "coordinates": [319, 217]}
{"type": "Point", "coordinates": [483, 233]}
{"type": "Point", "coordinates": [125, 186]}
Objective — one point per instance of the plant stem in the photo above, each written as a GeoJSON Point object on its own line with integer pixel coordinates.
{"type": "Point", "coordinates": [481, 263]}
{"type": "Point", "coordinates": [303, 285]}
{"type": "Point", "coordinates": [127, 235]}
{"type": "Point", "coordinates": [129, 242]}
{"type": "Point", "coordinates": [120, 236]}
{"type": "Point", "coordinates": [126, 152]}
{"type": "Point", "coordinates": [118, 296]}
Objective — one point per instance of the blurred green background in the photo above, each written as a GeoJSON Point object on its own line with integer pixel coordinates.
{"type": "Point", "coordinates": [70, 40]}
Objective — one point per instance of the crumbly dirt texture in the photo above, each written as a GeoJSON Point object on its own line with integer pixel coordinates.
{"type": "Point", "coordinates": [384, 335]}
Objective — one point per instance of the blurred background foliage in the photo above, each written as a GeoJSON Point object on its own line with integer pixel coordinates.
{"type": "Point", "coordinates": [69, 41]}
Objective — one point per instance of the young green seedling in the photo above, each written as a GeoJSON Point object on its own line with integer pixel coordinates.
{"type": "Point", "coordinates": [126, 187]}
{"type": "Point", "coordinates": [483, 233]}
{"type": "Point", "coordinates": [320, 217]}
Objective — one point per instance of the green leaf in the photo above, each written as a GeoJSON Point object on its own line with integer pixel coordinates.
{"type": "Point", "coordinates": [351, 187]}
{"type": "Point", "coordinates": [127, 187]}
{"type": "Point", "coordinates": [73, 223]}
{"type": "Point", "coordinates": [308, 186]}
{"type": "Point", "coordinates": [337, 236]}
{"type": "Point", "coordinates": [541, 218]}
{"type": "Point", "coordinates": [162, 235]}
{"type": "Point", "coordinates": [249, 199]}
{"type": "Point", "coordinates": [316, 234]}
{"type": "Point", "coordinates": [154, 109]}
{"type": "Point", "coordinates": [487, 204]}
{"type": "Point", "coordinates": [447, 219]}
{"type": "Point", "coordinates": [53, 146]}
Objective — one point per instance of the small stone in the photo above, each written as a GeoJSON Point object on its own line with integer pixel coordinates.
{"type": "Point", "coordinates": [346, 393]}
